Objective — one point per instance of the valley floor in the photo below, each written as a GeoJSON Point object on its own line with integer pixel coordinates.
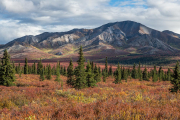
{"type": "Point", "coordinates": [44, 100]}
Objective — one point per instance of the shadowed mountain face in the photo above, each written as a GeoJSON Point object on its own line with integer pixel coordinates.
{"type": "Point", "coordinates": [127, 37]}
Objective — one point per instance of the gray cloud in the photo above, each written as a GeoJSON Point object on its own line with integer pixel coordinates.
{"type": "Point", "coordinates": [32, 17]}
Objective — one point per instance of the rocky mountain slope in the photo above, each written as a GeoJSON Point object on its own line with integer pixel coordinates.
{"type": "Point", "coordinates": [125, 37]}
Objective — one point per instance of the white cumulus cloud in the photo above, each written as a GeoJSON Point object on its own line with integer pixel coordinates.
{"type": "Point", "coordinates": [32, 17]}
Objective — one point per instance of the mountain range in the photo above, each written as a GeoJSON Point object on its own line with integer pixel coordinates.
{"type": "Point", "coordinates": [115, 40]}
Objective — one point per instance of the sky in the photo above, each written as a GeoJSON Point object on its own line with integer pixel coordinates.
{"type": "Point", "coordinates": [32, 17]}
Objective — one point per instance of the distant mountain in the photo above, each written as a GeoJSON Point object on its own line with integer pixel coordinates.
{"type": "Point", "coordinates": [118, 38]}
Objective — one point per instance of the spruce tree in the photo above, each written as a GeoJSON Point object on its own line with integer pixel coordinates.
{"type": "Point", "coordinates": [45, 68]}
{"type": "Point", "coordinates": [165, 77]}
{"type": "Point", "coordinates": [100, 73]}
{"type": "Point", "coordinates": [160, 73]}
{"type": "Point", "coordinates": [139, 71]}
{"type": "Point", "coordinates": [19, 68]}
{"type": "Point", "coordinates": [92, 66]}
{"type": "Point", "coordinates": [169, 74]}
{"type": "Point", "coordinates": [129, 72]}
{"type": "Point", "coordinates": [16, 69]}
{"type": "Point", "coordinates": [80, 73]}
{"type": "Point", "coordinates": [29, 69]}
{"type": "Point", "coordinates": [125, 74]}
{"type": "Point", "coordinates": [53, 70]}
{"type": "Point", "coordinates": [118, 75]}
{"type": "Point", "coordinates": [34, 68]}
{"type": "Point", "coordinates": [62, 70]}
{"type": "Point", "coordinates": [155, 76]}
{"type": "Point", "coordinates": [20, 72]}
{"type": "Point", "coordinates": [90, 76]}
{"type": "Point", "coordinates": [7, 73]}
{"type": "Point", "coordinates": [140, 76]}
{"type": "Point", "coordinates": [97, 76]}
{"type": "Point", "coordinates": [57, 72]}
{"type": "Point", "coordinates": [70, 74]}
{"type": "Point", "coordinates": [65, 71]}
{"type": "Point", "coordinates": [104, 74]}
{"type": "Point", "coordinates": [48, 76]}
{"type": "Point", "coordinates": [145, 75]}
{"type": "Point", "coordinates": [13, 65]}
{"type": "Point", "coordinates": [175, 81]}
{"type": "Point", "coordinates": [26, 66]}
{"type": "Point", "coordinates": [110, 71]}
{"type": "Point", "coordinates": [106, 68]}
{"type": "Point", "coordinates": [134, 72]}
{"type": "Point", "coordinates": [150, 74]}
{"type": "Point", "coordinates": [39, 67]}
{"type": "Point", "coordinates": [42, 78]}
{"type": "Point", "coordinates": [122, 73]}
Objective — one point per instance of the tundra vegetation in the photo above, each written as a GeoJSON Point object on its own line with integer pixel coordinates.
{"type": "Point", "coordinates": [40, 92]}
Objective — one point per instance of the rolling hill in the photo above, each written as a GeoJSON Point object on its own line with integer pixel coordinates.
{"type": "Point", "coordinates": [119, 41]}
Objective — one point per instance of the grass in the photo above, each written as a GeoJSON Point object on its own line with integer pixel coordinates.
{"type": "Point", "coordinates": [46, 50]}
{"type": "Point", "coordinates": [44, 100]}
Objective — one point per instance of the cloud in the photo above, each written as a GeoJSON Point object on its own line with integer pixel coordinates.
{"type": "Point", "coordinates": [165, 7]}
{"type": "Point", "coordinates": [31, 17]}
{"type": "Point", "coordinates": [17, 6]}
{"type": "Point", "coordinates": [10, 30]}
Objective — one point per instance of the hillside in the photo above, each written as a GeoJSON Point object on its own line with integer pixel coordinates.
{"type": "Point", "coordinates": [114, 40]}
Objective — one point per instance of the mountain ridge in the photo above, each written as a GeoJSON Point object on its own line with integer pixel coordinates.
{"type": "Point", "coordinates": [125, 37]}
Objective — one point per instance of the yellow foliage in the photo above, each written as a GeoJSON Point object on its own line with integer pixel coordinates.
{"type": "Point", "coordinates": [31, 117]}
{"type": "Point", "coordinates": [173, 100]}
{"type": "Point", "coordinates": [77, 96]}
{"type": "Point", "coordinates": [138, 97]}
{"type": "Point", "coordinates": [148, 99]}
{"type": "Point", "coordinates": [7, 104]}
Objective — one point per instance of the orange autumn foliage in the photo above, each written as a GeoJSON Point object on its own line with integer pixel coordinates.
{"type": "Point", "coordinates": [32, 99]}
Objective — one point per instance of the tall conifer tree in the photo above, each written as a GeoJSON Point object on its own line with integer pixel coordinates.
{"type": "Point", "coordinates": [65, 71]}
{"type": "Point", "coordinates": [155, 76]}
{"type": "Point", "coordinates": [104, 74]}
{"type": "Point", "coordinates": [80, 72]}
{"type": "Point", "coordinates": [39, 67]}
{"type": "Point", "coordinates": [169, 74]}
{"type": "Point", "coordinates": [92, 66]}
{"type": "Point", "coordinates": [106, 67]}
{"type": "Point", "coordinates": [19, 68]}
{"type": "Point", "coordinates": [139, 71]}
{"type": "Point", "coordinates": [57, 72]}
{"type": "Point", "coordinates": [175, 79]}
{"type": "Point", "coordinates": [34, 68]}
{"type": "Point", "coordinates": [90, 76]}
{"type": "Point", "coordinates": [125, 74]}
{"type": "Point", "coordinates": [26, 66]}
{"type": "Point", "coordinates": [7, 73]}
{"type": "Point", "coordinates": [48, 76]}
{"type": "Point", "coordinates": [97, 76]}
{"type": "Point", "coordinates": [42, 78]}
{"type": "Point", "coordinates": [118, 75]}
{"type": "Point", "coordinates": [110, 71]}
{"type": "Point", "coordinates": [70, 74]}
{"type": "Point", "coordinates": [100, 73]}
{"type": "Point", "coordinates": [160, 73]}
{"type": "Point", "coordinates": [145, 75]}
{"type": "Point", "coordinates": [134, 72]}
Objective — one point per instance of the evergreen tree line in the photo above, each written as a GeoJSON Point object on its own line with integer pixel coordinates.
{"type": "Point", "coordinates": [40, 69]}
{"type": "Point", "coordinates": [81, 77]}
{"type": "Point", "coordinates": [136, 73]}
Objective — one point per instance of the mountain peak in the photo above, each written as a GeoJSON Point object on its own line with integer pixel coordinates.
{"type": "Point", "coordinates": [119, 35]}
